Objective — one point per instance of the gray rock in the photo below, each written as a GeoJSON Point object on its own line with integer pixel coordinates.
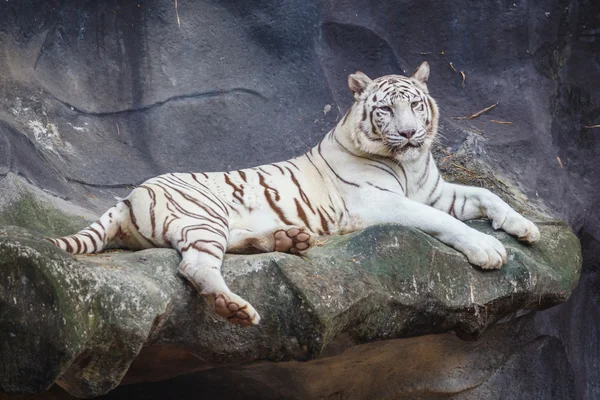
{"type": "Point", "coordinates": [82, 322]}
{"type": "Point", "coordinates": [431, 367]}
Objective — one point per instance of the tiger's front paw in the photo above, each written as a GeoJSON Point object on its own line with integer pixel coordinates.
{"type": "Point", "coordinates": [521, 227]}
{"type": "Point", "coordinates": [482, 250]}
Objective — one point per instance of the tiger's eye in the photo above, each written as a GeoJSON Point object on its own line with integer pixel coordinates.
{"type": "Point", "coordinates": [386, 109]}
{"type": "Point", "coordinates": [415, 104]}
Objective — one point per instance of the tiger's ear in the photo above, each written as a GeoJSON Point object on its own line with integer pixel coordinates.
{"type": "Point", "coordinates": [422, 73]}
{"type": "Point", "coordinates": [357, 83]}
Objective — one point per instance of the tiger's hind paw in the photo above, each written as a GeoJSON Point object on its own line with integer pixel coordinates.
{"type": "Point", "coordinates": [293, 240]}
{"type": "Point", "coordinates": [234, 309]}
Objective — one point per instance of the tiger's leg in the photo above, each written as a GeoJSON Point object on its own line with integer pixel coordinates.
{"type": "Point", "coordinates": [286, 239]}
{"type": "Point", "coordinates": [480, 249]}
{"type": "Point", "coordinates": [467, 202]}
{"type": "Point", "coordinates": [202, 255]}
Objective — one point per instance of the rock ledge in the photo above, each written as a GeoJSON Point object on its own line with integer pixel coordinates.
{"type": "Point", "coordinates": [81, 322]}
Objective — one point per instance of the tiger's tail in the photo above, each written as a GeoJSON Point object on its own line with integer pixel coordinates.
{"type": "Point", "coordinates": [99, 235]}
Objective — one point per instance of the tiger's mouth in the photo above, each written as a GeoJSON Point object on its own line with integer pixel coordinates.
{"type": "Point", "coordinates": [397, 147]}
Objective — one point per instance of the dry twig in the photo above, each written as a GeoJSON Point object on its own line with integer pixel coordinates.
{"type": "Point", "coordinates": [455, 165]}
{"type": "Point", "coordinates": [592, 126]}
{"type": "Point", "coordinates": [177, 13]}
{"type": "Point", "coordinates": [476, 131]}
{"type": "Point", "coordinates": [464, 78]}
{"type": "Point", "coordinates": [501, 122]}
{"type": "Point", "coordinates": [478, 113]}
{"type": "Point", "coordinates": [559, 162]}
{"type": "Point", "coordinates": [468, 171]}
{"type": "Point", "coordinates": [322, 242]}
{"type": "Point", "coordinates": [451, 66]}
{"type": "Point", "coordinates": [446, 158]}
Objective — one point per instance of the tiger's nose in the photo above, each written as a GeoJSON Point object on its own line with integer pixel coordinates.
{"type": "Point", "coordinates": [408, 133]}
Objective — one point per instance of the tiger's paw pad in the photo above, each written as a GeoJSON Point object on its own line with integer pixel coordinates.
{"type": "Point", "coordinates": [293, 240]}
{"type": "Point", "coordinates": [235, 310]}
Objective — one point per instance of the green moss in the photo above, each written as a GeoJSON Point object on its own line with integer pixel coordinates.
{"type": "Point", "coordinates": [29, 212]}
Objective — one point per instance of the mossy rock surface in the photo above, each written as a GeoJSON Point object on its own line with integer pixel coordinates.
{"type": "Point", "coordinates": [29, 212]}
{"type": "Point", "coordinates": [82, 321]}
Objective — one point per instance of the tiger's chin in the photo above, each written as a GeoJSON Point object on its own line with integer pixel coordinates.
{"type": "Point", "coordinates": [410, 152]}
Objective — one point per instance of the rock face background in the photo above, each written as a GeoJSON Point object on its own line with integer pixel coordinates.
{"type": "Point", "coordinates": [98, 96]}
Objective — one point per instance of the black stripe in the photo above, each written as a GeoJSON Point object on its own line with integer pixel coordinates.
{"type": "Point", "coordinates": [404, 173]}
{"type": "Point", "coordinates": [184, 184]}
{"type": "Point", "coordinates": [200, 227]}
{"type": "Point", "coordinates": [212, 196]}
{"type": "Point", "coordinates": [332, 170]}
{"type": "Point", "coordinates": [436, 200]}
{"type": "Point", "coordinates": [237, 191]}
{"type": "Point", "coordinates": [430, 107]}
{"type": "Point", "coordinates": [313, 164]}
{"type": "Point", "coordinates": [435, 187]}
{"type": "Point", "coordinates": [462, 209]}
{"type": "Point", "coordinates": [216, 219]}
{"type": "Point", "coordinates": [391, 173]}
{"type": "Point", "coordinates": [385, 190]}
{"type": "Point", "coordinates": [324, 223]}
{"type": "Point", "coordinates": [202, 250]}
{"type": "Point", "coordinates": [100, 237]}
{"type": "Point", "coordinates": [78, 243]}
{"type": "Point", "coordinates": [279, 168]}
{"type": "Point", "coordinates": [374, 134]}
{"type": "Point", "coordinates": [451, 209]}
{"type": "Point", "coordinates": [66, 242]}
{"type": "Point", "coordinates": [131, 215]}
{"type": "Point", "coordinates": [303, 195]}
{"type": "Point", "coordinates": [326, 213]}
{"type": "Point", "coordinates": [152, 208]}
{"type": "Point", "coordinates": [278, 211]}
{"type": "Point", "coordinates": [302, 214]}
{"type": "Point", "coordinates": [295, 166]}
{"type": "Point", "coordinates": [91, 240]}
{"type": "Point", "coordinates": [425, 175]}
{"type": "Point", "coordinates": [203, 206]}
{"type": "Point", "coordinates": [263, 171]}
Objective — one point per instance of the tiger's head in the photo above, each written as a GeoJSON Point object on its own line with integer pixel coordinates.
{"type": "Point", "coordinates": [393, 116]}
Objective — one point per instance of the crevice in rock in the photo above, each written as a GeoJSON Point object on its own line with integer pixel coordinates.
{"type": "Point", "coordinates": [199, 96]}
{"type": "Point", "coordinates": [105, 186]}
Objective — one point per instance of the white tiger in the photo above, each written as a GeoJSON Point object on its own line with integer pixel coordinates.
{"type": "Point", "coordinates": [374, 167]}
